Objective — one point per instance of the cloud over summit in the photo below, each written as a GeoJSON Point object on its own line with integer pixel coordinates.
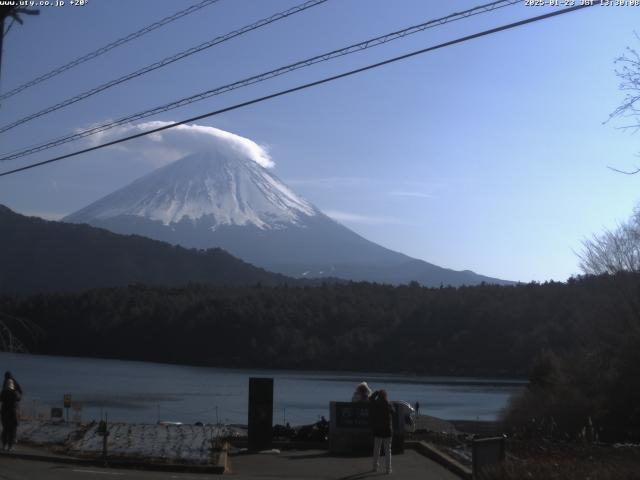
{"type": "Point", "coordinates": [164, 147]}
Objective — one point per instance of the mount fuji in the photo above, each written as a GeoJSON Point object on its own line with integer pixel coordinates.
{"type": "Point", "coordinates": [211, 199]}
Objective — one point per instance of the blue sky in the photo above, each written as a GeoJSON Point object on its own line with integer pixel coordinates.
{"type": "Point", "coordinates": [491, 155]}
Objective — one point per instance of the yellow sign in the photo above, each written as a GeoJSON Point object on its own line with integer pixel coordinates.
{"type": "Point", "coordinates": [67, 401]}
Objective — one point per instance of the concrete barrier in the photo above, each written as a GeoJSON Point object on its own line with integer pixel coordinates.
{"type": "Point", "coordinates": [487, 453]}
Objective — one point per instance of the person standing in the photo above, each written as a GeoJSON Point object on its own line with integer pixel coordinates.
{"type": "Point", "coordinates": [9, 398]}
{"type": "Point", "coordinates": [381, 413]}
{"type": "Point", "coordinates": [362, 393]}
{"type": "Point", "coordinates": [8, 376]}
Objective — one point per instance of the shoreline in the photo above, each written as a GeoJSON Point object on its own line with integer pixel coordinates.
{"type": "Point", "coordinates": [474, 379]}
{"type": "Point", "coordinates": [150, 392]}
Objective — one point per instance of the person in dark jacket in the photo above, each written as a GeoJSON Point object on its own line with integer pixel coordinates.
{"type": "Point", "coordinates": [381, 415]}
{"type": "Point", "coordinates": [9, 398]}
{"type": "Point", "coordinates": [8, 376]}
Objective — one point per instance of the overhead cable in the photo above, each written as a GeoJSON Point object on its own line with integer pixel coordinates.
{"type": "Point", "coordinates": [166, 61]}
{"type": "Point", "coordinates": [370, 43]}
{"type": "Point", "coordinates": [108, 47]}
{"type": "Point", "coordinates": [306, 86]}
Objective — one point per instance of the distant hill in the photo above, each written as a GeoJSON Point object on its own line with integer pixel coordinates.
{"type": "Point", "coordinates": [39, 255]}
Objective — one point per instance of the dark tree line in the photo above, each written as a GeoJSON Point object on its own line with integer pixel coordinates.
{"type": "Point", "coordinates": [591, 389]}
{"type": "Point", "coordinates": [482, 330]}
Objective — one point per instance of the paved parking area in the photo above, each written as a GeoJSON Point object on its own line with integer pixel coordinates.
{"type": "Point", "coordinates": [16, 469]}
{"type": "Point", "coordinates": [295, 464]}
{"type": "Point", "coordinates": [319, 465]}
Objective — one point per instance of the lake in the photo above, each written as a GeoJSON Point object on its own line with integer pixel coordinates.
{"type": "Point", "coordinates": [148, 392]}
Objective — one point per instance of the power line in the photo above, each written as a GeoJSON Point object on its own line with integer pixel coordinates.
{"type": "Point", "coordinates": [166, 61]}
{"type": "Point", "coordinates": [307, 85]}
{"type": "Point", "coordinates": [110, 46]}
{"type": "Point", "coordinates": [370, 43]}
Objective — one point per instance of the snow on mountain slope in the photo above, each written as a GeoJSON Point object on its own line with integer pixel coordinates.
{"type": "Point", "coordinates": [227, 190]}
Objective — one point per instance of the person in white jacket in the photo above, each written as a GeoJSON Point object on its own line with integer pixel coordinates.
{"type": "Point", "coordinates": [362, 393]}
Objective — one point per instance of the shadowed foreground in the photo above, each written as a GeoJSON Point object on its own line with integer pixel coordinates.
{"type": "Point", "coordinates": [317, 464]}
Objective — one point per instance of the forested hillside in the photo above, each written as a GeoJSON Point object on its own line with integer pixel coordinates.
{"type": "Point", "coordinates": [482, 330]}
{"type": "Point", "coordinates": [38, 255]}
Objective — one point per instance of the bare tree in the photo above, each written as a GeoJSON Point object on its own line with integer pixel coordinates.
{"type": "Point", "coordinates": [9, 342]}
{"type": "Point", "coordinates": [613, 251]}
{"type": "Point", "coordinates": [628, 72]}
{"type": "Point", "coordinates": [617, 253]}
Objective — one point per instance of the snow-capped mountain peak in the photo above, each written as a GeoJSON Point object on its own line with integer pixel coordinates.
{"type": "Point", "coordinates": [219, 189]}
{"type": "Point", "coordinates": [224, 198]}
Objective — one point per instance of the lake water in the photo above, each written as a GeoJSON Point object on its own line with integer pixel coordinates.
{"type": "Point", "coordinates": [148, 392]}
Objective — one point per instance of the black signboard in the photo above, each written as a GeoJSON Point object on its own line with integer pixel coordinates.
{"type": "Point", "coordinates": [260, 413]}
{"type": "Point", "coordinates": [356, 415]}
{"type": "Point", "coordinates": [352, 415]}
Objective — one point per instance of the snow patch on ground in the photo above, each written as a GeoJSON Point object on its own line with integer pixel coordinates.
{"type": "Point", "coordinates": [45, 433]}
{"type": "Point", "coordinates": [164, 443]}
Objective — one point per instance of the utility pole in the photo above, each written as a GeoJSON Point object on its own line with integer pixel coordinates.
{"type": "Point", "coordinates": [13, 12]}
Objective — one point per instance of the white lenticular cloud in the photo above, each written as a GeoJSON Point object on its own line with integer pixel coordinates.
{"type": "Point", "coordinates": [169, 145]}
